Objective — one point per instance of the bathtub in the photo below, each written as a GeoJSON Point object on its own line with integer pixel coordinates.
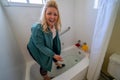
{"type": "Point", "coordinates": [76, 61]}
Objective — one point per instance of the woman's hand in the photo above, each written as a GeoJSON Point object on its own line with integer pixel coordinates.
{"type": "Point", "coordinates": [58, 57]}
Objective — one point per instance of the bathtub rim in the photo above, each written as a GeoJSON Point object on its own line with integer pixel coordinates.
{"type": "Point", "coordinates": [83, 64]}
{"type": "Point", "coordinates": [69, 75]}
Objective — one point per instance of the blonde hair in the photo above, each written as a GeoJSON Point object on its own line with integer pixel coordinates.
{"type": "Point", "coordinates": [50, 3]}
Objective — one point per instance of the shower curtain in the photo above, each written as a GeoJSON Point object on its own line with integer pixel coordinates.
{"type": "Point", "coordinates": [107, 11]}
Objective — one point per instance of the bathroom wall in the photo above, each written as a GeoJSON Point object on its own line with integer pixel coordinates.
{"type": "Point", "coordinates": [66, 8]}
{"type": "Point", "coordinates": [114, 44]}
{"type": "Point", "coordinates": [84, 20]}
{"type": "Point", "coordinates": [12, 63]}
{"type": "Point", "coordinates": [21, 19]}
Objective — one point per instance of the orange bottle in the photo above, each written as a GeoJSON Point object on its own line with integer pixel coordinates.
{"type": "Point", "coordinates": [84, 47]}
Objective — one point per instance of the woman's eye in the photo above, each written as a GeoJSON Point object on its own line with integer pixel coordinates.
{"type": "Point", "coordinates": [49, 13]}
{"type": "Point", "coordinates": [55, 14]}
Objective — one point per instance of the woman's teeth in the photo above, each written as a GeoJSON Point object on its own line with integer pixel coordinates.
{"type": "Point", "coordinates": [51, 20]}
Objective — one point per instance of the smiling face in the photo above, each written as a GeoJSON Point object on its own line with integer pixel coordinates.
{"type": "Point", "coordinates": [51, 16]}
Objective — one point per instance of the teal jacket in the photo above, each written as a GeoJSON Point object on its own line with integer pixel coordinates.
{"type": "Point", "coordinates": [43, 47]}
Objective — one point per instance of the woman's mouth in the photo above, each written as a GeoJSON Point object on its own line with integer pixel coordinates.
{"type": "Point", "coordinates": [51, 21]}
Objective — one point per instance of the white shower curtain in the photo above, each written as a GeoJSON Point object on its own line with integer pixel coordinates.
{"type": "Point", "coordinates": [107, 11]}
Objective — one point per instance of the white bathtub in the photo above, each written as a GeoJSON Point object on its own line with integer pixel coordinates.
{"type": "Point", "coordinates": [75, 59]}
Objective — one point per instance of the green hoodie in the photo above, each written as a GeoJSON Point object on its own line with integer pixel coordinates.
{"type": "Point", "coordinates": [43, 47]}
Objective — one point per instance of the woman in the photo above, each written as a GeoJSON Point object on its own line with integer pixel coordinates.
{"type": "Point", "coordinates": [44, 44]}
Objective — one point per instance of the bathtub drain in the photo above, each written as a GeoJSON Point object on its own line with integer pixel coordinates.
{"type": "Point", "coordinates": [76, 60]}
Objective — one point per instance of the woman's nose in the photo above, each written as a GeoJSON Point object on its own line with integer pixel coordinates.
{"type": "Point", "coordinates": [52, 16]}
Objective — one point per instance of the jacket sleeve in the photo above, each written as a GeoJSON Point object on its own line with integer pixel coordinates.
{"type": "Point", "coordinates": [38, 40]}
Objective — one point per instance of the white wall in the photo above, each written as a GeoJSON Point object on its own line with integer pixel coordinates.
{"type": "Point", "coordinates": [66, 8]}
{"type": "Point", "coordinates": [85, 16]}
{"type": "Point", "coordinates": [21, 19]}
{"type": "Point", "coordinates": [12, 63]}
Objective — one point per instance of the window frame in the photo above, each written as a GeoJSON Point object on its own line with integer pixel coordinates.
{"type": "Point", "coordinates": [96, 4]}
{"type": "Point", "coordinates": [19, 4]}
